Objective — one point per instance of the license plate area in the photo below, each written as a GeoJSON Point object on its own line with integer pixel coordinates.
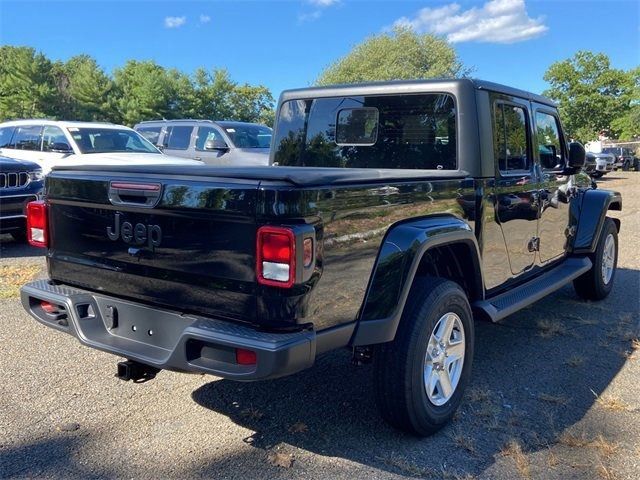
{"type": "Point", "coordinates": [151, 326]}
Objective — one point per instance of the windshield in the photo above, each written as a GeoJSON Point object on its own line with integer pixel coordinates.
{"type": "Point", "coordinates": [248, 136]}
{"type": "Point", "coordinates": [106, 140]}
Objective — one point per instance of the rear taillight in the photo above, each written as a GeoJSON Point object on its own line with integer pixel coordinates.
{"type": "Point", "coordinates": [245, 357]}
{"type": "Point", "coordinates": [37, 224]}
{"type": "Point", "coordinates": [276, 257]}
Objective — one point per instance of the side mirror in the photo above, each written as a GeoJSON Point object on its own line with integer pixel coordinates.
{"type": "Point", "coordinates": [216, 144]}
{"type": "Point", "coordinates": [577, 156]}
{"type": "Point", "coordinates": [61, 147]}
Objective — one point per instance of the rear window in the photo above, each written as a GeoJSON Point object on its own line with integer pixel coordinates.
{"type": "Point", "coordinates": [27, 137]}
{"type": "Point", "coordinates": [150, 133]}
{"type": "Point", "coordinates": [399, 131]}
{"type": "Point", "coordinates": [5, 136]}
{"type": "Point", "coordinates": [178, 138]}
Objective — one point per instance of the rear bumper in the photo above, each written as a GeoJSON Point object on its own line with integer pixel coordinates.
{"type": "Point", "coordinates": [165, 339]}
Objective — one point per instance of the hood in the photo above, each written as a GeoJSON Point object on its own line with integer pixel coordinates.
{"type": "Point", "coordinates": [124, 158]}
{"type": "Point", "coordinates": [12, 165]}
{"type": "Point", "coordinates": [252, 156]}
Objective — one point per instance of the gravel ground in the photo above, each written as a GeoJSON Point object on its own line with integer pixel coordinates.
{"type": "Point", "coordinates": [555, 394]}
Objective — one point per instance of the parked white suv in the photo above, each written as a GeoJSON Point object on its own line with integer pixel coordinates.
{"type": "Point", "coordinates": [50, 143]}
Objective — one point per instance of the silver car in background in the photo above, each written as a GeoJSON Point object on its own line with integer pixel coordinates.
{"type": "Point", "coordinates": [218, 143]}
{"type": "Point", "coordinates": [605, 163]}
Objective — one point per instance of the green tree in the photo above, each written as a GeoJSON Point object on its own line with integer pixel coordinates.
{"type": "Point", "coordinates": [591, 94]}
{"type": "Point", "coordinates": [399, 55]}
{"type": "Point", "coordinates": [27, 86]}
{"type": "Point", "coordinates": [628, 125]}
{"type": "Point", "coordinates": [84, 90]}
{"type": "Point", "coordinates": [144, 91]}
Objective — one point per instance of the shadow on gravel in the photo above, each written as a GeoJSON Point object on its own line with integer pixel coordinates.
{"type": "Point", "coordinates": [9, 248]}
{"type": "Point", "coordinates": [51, 457]}
{"type": "Point", "coordinates": [535, 374]}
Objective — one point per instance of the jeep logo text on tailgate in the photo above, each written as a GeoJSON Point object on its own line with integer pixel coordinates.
{"type": "Point", "coordinates": [137, 235]}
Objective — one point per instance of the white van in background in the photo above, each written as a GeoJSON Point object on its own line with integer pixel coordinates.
{"type": "Point", "coordinates": [50, 143]}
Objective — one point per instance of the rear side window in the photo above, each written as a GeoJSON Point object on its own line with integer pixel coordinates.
{"type": "Point", "coordinates": [386, 131]}
{"type": "Point", "coordinates": [5, 136]}
{"type": "Point", "coordinates": [510, 138]}
{"type": "Point", "coordinates": [178, 137]}
{"type": "Point", "coordinates": [27, 138]}
{"type": "Point", "coordinates": [550, 147]}
{"type": "Point", "coordinates": [150, 133]}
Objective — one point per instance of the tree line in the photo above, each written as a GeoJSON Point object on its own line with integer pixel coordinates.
{"type": "Point", "coordinates": [594, 98]}
{"type": "Point", "coordinates": [31, 85]}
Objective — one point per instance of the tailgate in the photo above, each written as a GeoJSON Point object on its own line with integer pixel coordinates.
{"type": "Point", "coordinates": [187, 243]}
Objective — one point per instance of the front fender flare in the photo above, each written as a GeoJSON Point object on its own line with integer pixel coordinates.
{"type": "Point", "coordinates": [398, 259]}
{"type": "Point", "coordinates": [593, 210]}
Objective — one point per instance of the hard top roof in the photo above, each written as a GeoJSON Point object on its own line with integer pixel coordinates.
{"type": "Point", "coordinates": [60, 123]}
{"type": "Point", "coordinates": [409, 86]}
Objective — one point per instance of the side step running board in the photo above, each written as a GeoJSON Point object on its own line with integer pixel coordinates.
{"type": "Point", "coordinates": [503, 305]}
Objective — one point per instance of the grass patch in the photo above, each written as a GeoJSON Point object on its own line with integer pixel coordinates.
{"type": "Point", "coordinates": [605, 447]}
{"type": "Point", "coordinates": [12, 277]}
{"type": "Point", "coordinates": [555, 399]}
{"type": "Point", "coordinates": [465, 442]}
{"type": "Point", "coordinates": [513, 449]}
{"type": "Point", "coordinates": [479, 395]}
{"type": "Point", "coordinates": [551, 328]}
{"type": "Point", "coordinates": [613, 403]}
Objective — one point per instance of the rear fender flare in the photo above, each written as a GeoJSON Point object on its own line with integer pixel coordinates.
{"type": "Point", "coordinates": [402, 249]}
{"type": "Point", "coordinates": [593, 210]}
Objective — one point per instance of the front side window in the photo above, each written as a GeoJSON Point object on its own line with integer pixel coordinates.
{"type": "Point", "coordinates": [150, 133]}
{"type": "Point", "coordinates": [206, 134]}
{"type": "Point", "coordinates": [248, 135]}
{"type": "Point", "coordinates": [53, 135]}
{"type": "Point", "coordinates": [550, 148]}
{"type": "Point", "coordinates": [27, 137]}
{"type": "Point", "coordinates": [510, 138]}
{"type": "Point", "coordinates": [178, 137]}
{"type": "Point", "coordinates": [5, 136]}
{"type": "Point", "coordinates": [110, 140]}
{"type": "Point", "coordinates": [413, 131]}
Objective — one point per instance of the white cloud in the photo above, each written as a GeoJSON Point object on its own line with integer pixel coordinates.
{"type": "Point", "coordinates": [497, 21]}
{"type": "Point", "coordinates": [204, 18]}
{"type": "Point", "coordinates": [323, 3]}
{"type": "Point", "coordinates": [174, 22]}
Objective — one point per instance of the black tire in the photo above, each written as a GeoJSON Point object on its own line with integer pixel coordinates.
{"type": "Point", "coordinates": [626, 166]}
{"type": "Point", "coordinates": [20, 236]}
{"type": "Point", "coordinates": [597, 175]}
{"type": "Point", "coordinates": [399, 365]}
{"type": "Point", "coordinates": [591, 285]}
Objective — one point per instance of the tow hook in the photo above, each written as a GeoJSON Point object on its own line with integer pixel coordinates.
{"type": "Point", "coordinates": [138, 372]}
{"type": "Point", "coordinates": [362, 355]}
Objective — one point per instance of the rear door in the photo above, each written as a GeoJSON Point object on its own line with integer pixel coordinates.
{"type": "Point", "coordinates": [178, 140]}
{"type": "Point", "coordinates": [25, 144]}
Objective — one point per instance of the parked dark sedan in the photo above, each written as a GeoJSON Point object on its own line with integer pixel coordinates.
{"type": "Point", "coordinates": [20, 183]}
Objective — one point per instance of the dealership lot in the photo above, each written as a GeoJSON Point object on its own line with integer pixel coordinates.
{"type": "Point", "coordinates": [554, 394]}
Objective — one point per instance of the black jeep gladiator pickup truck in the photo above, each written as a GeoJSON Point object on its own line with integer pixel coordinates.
{"type": "Point", "coordinates": [393, 215]}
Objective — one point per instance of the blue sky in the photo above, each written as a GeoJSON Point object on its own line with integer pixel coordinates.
{"type": "Point", "coordinates": [286, 44]}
